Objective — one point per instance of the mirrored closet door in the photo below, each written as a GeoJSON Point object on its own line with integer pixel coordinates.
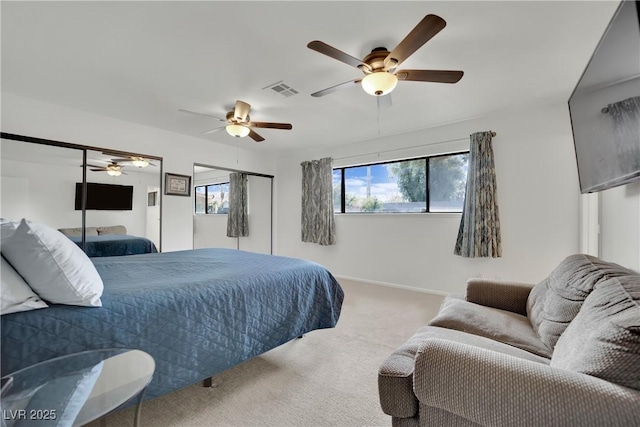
{"type": "Point", "coordinates": [212, 189]}
{"type": "Point", "coordinates": [123, 195]}
{"type": "Point", "coordinates": [66, 186]}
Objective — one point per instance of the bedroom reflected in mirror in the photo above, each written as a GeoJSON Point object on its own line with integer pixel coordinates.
{"type": "Point", "coordinates": [114, 195]}
{"type": "Point", "coordinates": [38, 183]}
{"type": "Point", "coordinates": [119, 218]}
{"type": "Point", "coordinates": [232, 209]}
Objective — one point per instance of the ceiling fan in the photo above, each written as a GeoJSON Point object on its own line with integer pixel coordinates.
{"type": "Point", "coordinates": [380, 66]}
{"type": "Point", "coordinates": [239, 123]}
{"type": "Point", "coordinates": [112, 169]}
{"type": "Point", "coordinates": [139, 162]}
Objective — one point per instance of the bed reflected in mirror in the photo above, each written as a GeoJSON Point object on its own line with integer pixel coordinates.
{"type": "Point", "coordinates": [214, 208]}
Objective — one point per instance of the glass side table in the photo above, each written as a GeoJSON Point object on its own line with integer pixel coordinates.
{"type": "Point", "coordinates": [73, 390]}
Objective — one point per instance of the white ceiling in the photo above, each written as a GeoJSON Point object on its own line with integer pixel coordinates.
{"type": "Point", "coordinates": [142, 61]}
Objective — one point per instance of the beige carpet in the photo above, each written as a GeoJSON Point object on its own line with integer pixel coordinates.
{"type": "Point", "coordinates": [327, 378]}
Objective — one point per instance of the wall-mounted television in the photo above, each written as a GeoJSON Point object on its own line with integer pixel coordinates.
{"type": "Point", "coordinates": [105, 197]}
{"type": "Point", "coordinates": [605, 106]}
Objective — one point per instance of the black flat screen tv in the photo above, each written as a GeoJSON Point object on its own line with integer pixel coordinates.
{"type": "Point", "coordinates": [105, 197]}
{"type": "Point", "coordinates": [605, 106]}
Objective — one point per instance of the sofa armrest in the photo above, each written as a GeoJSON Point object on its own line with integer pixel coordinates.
{"type": "Point", "coordinates": [510, 296]}
{"type": "Point", "coordinates": [490, 388]}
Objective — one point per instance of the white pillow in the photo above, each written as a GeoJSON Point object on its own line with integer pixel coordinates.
{"type": "Point", "coordinates": [54, 266]}
{"type": "Point", "coordinates": [15, 294]}
{"type": "Point", "coordinates": [7, 228]}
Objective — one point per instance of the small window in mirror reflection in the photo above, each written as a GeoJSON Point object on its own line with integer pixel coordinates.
{"type": "Point", "coordinates": [152, 198]}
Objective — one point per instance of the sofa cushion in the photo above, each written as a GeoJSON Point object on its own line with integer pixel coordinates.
{"type": "Point", "coordinates": [555, 302]}
{"type": "Point", "coordinates": [395, 377]}
{"type": "Point", "coordinates": [604, 338]}
{"type": "Point", "coordinates": [76, 232]}
{"type": "Point", "coordinates": [500, 325]}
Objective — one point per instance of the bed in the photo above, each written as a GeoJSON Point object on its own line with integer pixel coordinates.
{"type": "Point", "coordinates": [111, 240]}
{"type": "Point", "coordinates": [115, 245]}
{"type": "Point", "coordinates": [197, 312]}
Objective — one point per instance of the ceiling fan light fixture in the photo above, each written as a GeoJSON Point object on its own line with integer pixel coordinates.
{"type": "Point", "coordinates": [379, 83]}
{"type": "Point", "coordinates": [140, 162]}
{"type": "Point", "coordinates": [114, 172]}
{"type": "Point", "coordinates": [237, 130]}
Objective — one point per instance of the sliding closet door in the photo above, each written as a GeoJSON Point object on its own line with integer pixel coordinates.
{"type": "Point", "coordinates": [211, 189]}
{"type": "Point", "coordinates": [259, 238]}
{"type": "Point", "coordinates": [121, 194]}
{"type": "Point", "coordinates": [43, 181]}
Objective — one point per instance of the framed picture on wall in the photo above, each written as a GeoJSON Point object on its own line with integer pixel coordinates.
{"type": "Point", "coordinates": [177, 185]}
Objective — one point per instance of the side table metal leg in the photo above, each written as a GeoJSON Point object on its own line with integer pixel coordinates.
{"type": "Point", "coordinates": [136, 421]}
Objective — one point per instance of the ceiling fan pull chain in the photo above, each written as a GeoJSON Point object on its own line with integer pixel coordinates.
{"type": "Point", "coordinates": [378, 118]}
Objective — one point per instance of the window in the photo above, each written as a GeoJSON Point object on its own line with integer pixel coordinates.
{"type": "Point", "coordinates": [212, 199]}
{"type": "Point", "coordinates": [428, 184]}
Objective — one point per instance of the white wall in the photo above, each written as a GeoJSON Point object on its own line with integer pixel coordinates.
{"type": "Point", "coordinates": [42, 120]}
{"type": "Point", "coordinates": [620, 225]}
{"type": "Point", "coordinates": [538, 197]}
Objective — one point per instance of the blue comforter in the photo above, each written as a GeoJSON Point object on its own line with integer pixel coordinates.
{"type": "Point", "coordinates": [196, 312]}
{"type": "Point", "coordinates": [115, 244]}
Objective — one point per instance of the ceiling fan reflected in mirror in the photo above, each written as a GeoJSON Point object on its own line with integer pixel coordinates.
{"type": "Point", "coordinates": [112, 169]}
{"type": "Point", "coordinates": [380, 66]}
{"type": "Point", "coordinates": [139, 162]}
{"type": "Point", "coordinates": [239, 123]}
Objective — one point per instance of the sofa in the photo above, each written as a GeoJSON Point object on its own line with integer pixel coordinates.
{"type": "Point", "coordinates": [94, 231]}
{"type": "Point", "coordinates": [563, 352]}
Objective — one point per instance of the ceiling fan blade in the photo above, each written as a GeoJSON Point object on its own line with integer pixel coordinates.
{"type": "Point", "coordinates": [332, 89]}
{"type": "Point", "coordinates": [202, 114]}
{"type": "Point", "coordinates": [286, 126]}
{"type": "Point", "coordinates": [99, 170]}
{"type": "Point", "coordinates": [242, 111]}
{"type": "Point", "coordinates": [437, 76]}
{"type": "Point", "coordinates": [422, 33]}
{"type": "Point", "coordinates": [255, 136]}
{"type": "Point", "coordinates": [93, 166]}
{"type": "Point", "coordinates": [334, 53]}
{"type": "Point", "coordinates": [213, 130]}
{"type": "Point", "coordinates": [133, 159]}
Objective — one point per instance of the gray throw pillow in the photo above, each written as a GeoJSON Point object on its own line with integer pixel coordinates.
{"type": "Point", "coordinates": [604, 338]}
{"type": "Point", "coordinates": [555, 302]}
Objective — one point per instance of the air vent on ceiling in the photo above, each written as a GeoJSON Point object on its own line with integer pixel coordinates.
{"type": "Point", "coordinates": [282, 88]}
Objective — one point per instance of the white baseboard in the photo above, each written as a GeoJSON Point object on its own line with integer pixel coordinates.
{"type": "Point", "coordinates": [393, 285]}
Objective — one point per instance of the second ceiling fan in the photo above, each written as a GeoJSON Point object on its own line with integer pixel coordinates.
{"type": "Point", "coordinates": [379, 67]}
{"type": "Point", "coordinates": [239, 123]}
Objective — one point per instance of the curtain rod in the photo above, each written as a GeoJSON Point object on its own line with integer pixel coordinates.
{"type": "Point", "coordinates": [493, 134]}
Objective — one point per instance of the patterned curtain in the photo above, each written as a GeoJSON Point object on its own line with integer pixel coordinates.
{"type": "Point", "coordinates": [626, 123]}
{"type": "Point", "coordinates": [238, 218]}
{"type": "Point", "coordinates": [318, 224]}
{"type": "Point", "coordinates": [479, 233]}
